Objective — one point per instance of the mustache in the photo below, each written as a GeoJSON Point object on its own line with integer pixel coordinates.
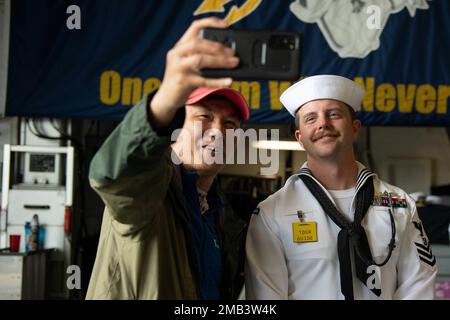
{"type": "Point", "coordinates": [323, 134]}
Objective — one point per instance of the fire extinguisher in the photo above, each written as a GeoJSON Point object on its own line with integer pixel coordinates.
{"type": "Point", "coordinates": [67, 215]}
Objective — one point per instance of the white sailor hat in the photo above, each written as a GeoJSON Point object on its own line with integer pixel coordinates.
{"type": "Point", "coordinates": [322, 87]}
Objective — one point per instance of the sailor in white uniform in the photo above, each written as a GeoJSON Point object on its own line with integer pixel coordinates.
{"type": "Point", "coordinates": [335, 230]}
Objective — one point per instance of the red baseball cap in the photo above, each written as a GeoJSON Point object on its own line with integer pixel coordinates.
{"type": "Point", "coordinates": [234, 96]}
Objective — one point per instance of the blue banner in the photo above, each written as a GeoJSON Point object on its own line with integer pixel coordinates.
{"type": "Point", "coordinates": [96, 59]}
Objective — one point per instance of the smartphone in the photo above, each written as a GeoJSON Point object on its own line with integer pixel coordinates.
{"type": "Point", "coordinates": [263, 54]}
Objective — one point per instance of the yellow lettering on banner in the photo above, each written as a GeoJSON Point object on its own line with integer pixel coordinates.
{"type": "Point", "coordinates": [276, 88]}
{"type": "Point", "coordinates": [237, 13]}
{"type": "Point", "coordinates": [109, 87]}
{"type": "Point", "coordinates": [211, 6]}
{"type": "Point", "coordinates": [443, 94]}
{"type": "Point", "coordinates": [251, 92]}
{"type": "Point", "coordinates": [405, 96]}
{"type": "Point", "coordinates": [131, 91]}
{"type": "Point", "coordinates": [151, 84]}
{"type": "Point", "coordinates": [369, 86]}
{"type": "Point", "coordinates": [385, 99]}
{"type": "Point", "coordinates": [426, 98]}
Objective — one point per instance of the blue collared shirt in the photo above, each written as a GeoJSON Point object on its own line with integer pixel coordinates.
{"type": "Point", "coordinates": [206, 240]}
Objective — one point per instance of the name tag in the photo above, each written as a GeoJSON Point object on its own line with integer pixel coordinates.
{"type": "Point", "coordinates": [304, 232]}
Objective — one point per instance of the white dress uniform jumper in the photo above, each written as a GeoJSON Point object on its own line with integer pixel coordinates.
{"type": "Point", "coordinates": [299, 246]}
{"type": "Point", "coordinates": [304, 244]}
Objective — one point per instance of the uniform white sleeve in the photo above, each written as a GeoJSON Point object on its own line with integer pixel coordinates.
{"type": "Point", "coordinates": [416, 265]}
{"type": "Point", "coordinates": [266, 274]}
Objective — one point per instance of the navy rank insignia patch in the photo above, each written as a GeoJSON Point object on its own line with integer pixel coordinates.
{"type": "Point", "coordinates": [424, 248]}
{"type": "Point", "coordinates": [390, 199]}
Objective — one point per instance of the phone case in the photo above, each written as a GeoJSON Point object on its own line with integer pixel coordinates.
{"type": "Point", "coordinates": [264, 54]}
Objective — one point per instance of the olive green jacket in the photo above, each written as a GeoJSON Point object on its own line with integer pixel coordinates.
{"type": "Point", "coordinates": [145, 249]}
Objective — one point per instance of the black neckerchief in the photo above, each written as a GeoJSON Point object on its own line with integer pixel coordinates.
{"type": "Point", "coordinates": [352, 235]}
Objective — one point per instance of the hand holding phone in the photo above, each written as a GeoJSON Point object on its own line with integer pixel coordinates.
{"type": "Point", "coordinates": [181, 74]}
{"type": "Point", "coordinates": [263, 54]}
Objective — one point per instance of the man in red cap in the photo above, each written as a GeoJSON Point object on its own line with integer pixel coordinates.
{"type": "Point", "coordinates": [167, 231]}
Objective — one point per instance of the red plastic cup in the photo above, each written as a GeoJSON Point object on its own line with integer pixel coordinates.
{"type": "Point", "coordinates": [14, 242]}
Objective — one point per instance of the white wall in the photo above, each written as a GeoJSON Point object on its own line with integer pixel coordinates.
{"type": "Point", "coordinates": [5, 14]}
{"type": "Point", "coordinates": [420, 153]}
{"type": "Point", "coordinates": [416, 149]}
{"type": "Point", "coordinates": [8, 133]}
